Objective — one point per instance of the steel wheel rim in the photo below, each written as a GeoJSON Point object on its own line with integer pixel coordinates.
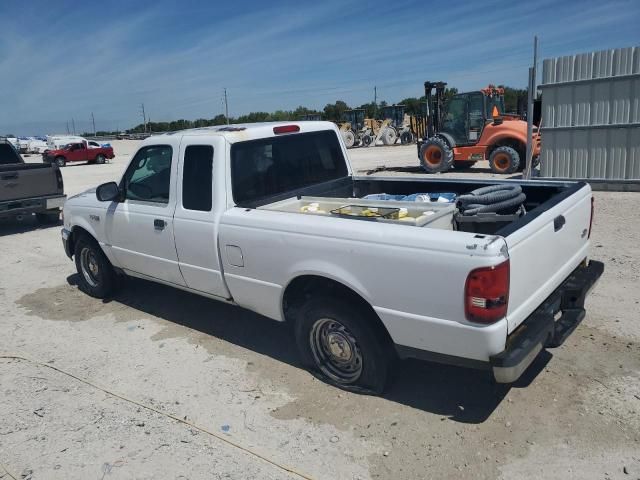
{"type": "Point", "coordinates": [501, 161]}
{"type": "Point", "coordinates": [89, 266]}
{"type": "Point", "coordinates": [335, 351]}
{"type": "Point", "coordinates": [433, 155]}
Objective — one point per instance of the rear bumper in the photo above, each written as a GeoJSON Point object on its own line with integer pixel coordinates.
{"type": "Point", "coordinates": [541, 329]}
{"type": "Point", "coordinates": [27, 206]}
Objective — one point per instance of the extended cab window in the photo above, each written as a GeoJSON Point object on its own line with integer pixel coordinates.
{"type": "Point", "coordinates": [270, 166]}
{"type": "Point", "coordinates": [197, 177]}
{"type": "Point", "coordinates": [149, 175]}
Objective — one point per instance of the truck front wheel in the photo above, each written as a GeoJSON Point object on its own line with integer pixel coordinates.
{"type": "Point", "coordinates": [340, 343]}
{"type": "Point", "coordinates": [435, 155]}
{"type": "Point", "coordinates": [97, 277]}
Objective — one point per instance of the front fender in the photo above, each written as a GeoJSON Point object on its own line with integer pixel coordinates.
{"type": "Point", "coordinates": [82, 224]}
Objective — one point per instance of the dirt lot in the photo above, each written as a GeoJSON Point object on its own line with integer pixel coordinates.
{"type": "Point", "coordinates": [159, 383]}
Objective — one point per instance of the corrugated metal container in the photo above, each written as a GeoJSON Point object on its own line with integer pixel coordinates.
{"type": "Point", "coordinates": [591, 115]}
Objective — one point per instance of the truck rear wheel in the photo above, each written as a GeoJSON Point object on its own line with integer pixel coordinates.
{"type": "Point", "coordinates": [100, 159]}
{"type": "Point", "coordinates": [97, 277]}
{"type": "Point", "coordinates": [340, 343]}
{"type": "Point", "coordinates": [436, 155]}
{"type": "Point", "coordinates": [406, 137]}
{"type": "Point", "coordinates": [60, 161]}
{"type": "Point", "coordinates": [504, 160]}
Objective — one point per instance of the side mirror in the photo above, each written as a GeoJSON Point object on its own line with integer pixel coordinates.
{"type": "Point", "coordinates": [108, 192]}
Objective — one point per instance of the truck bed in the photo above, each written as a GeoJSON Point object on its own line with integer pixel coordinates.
{"type": "Point", "coordinates": [544, 245]}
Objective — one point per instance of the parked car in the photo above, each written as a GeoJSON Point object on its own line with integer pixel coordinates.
{"type": "Point", "coordinates": [270, 217]}
{"type": "Point", "coordinates": [27, 188]}
{"type": "Point", "coordinates": [56, 142]}
{"type": "Point", "coordinates": [78, 152]}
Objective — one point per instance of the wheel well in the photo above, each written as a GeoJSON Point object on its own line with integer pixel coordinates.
{"type": "Point", "coordinates": [514, 143]}
{"type": "Point", "coordinates": [301, 288]}
{"type": "Point", "coordinates": [77, 232]}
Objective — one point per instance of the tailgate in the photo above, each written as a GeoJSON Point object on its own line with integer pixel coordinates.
{"type": "Point", "coordinates": [545, 251]}
{"type": "Point", "coordinates": [28, 181]}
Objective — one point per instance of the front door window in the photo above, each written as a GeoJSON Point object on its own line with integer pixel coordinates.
{"type": "Point", "coordinates": [149, 175]}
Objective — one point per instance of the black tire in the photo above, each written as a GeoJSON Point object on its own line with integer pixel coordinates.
{"type": "Point", "coordinates": [366, 140]}
{"type": "Point", "coordinates": [462, 164]}
{"type": "Point", "coordinates": [504, 160]}
{"type": "Point", "coordinates": [436, 155]}
{"type": "Point", "coordinates": [48, 218]}
{"type": "Point", "coordinates": [349, 138]}
{"type": "Point", "coordinates": [97, 277]}
{"type": "Point", "coordinates": [389, 136]}
{"type": "Point", "coordinates": [406, 137]}
{"type": "Point", "coordinates": [60, 161]}
{"type": "Point", "coordinates": [100, 159]}
{"type": "Point", "coordinates": [351, 329]}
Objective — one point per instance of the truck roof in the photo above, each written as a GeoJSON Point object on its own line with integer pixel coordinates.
{"type": "Point", "coordinates": [245, 131]}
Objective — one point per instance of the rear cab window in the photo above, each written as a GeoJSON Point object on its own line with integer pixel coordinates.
{"type": "Point", "coordinates": [270, 166]}
{"type": "Point", "coordinates": [197, 178]}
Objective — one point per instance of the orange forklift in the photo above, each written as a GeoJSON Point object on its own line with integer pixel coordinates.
{"type": "Point", "coordinates": [469, 127]}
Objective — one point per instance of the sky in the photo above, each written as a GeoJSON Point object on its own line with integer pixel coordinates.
{"type": "Point", "coordinates": [62, 61]}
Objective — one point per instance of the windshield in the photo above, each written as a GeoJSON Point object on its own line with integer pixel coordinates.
{"type": "Point", "coordinates": [271, 166]}
{"type": "Point", "coordinates": [498, 102]}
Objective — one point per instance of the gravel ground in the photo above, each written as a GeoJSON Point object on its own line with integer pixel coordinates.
{"type": "Point", "coordinates": [159, 383]}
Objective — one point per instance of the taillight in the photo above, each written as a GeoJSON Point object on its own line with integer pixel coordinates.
{"type": "Point", "coordinates": [286, 129]}
{"type": "Point", "coordinates": [591, 218]}
{"type": "Point", "coordinates": [486, 293]}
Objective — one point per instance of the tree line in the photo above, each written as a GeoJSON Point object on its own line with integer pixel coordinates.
{"type": "Point", "coordinates": [513, 98]}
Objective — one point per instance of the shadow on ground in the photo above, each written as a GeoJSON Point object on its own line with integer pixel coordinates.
{"type": "Point", "coordinates": [11, 225]}
{"type": "Point", "coordinates": [462, 395]}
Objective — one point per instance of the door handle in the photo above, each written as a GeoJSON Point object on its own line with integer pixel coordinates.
{"type": "Point", "coordinates": [159, 224]}
{"type": "Point", "coordinates": [558, 223]}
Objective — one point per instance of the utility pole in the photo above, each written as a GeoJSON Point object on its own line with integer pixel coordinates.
{"type": "Point", "coordinates": [144, 117]}
{"type": "Point", "coordinates": [226, 106]}
{"type": "Point", "coordinates": [375, 101]}
{"type": "Point", "coordinates": [73, 124]}
{"type": "Point", "coordinates": [93, 120]}
{"type": "Point", "coordinates": [68, 132]}
{"type": "Point", "coordinates": [531, 98]}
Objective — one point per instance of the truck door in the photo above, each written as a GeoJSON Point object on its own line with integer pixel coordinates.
{"type": "Point", "coordinates": [140, 229]}
{"type": "Point", "coordinates": [75, 153]}
{"type": "Point", "coordinates": [197, 212]}
{"type": "Point", "coordinates": [476, 117]}
{"type": "Point", "coordinates": [455, 121]}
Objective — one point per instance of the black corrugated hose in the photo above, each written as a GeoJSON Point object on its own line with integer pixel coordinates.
{"type": "Point", "coordinates": [491, 199]}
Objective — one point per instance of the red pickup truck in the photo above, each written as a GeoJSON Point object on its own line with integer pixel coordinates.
{"type": "Point", "coordinates": [78, 152]}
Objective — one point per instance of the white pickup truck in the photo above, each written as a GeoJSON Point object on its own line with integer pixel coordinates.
{"type": "Point", "coordinates": [270, 217]}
